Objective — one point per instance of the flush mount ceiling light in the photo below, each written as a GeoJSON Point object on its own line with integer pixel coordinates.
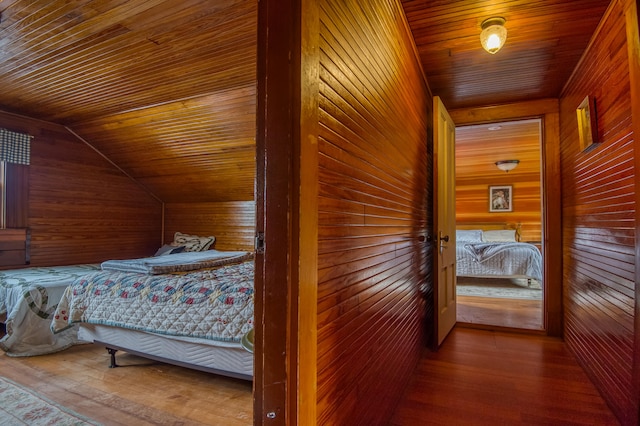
{"type": "Point", "coordinates": [506, 165]}
{"type": "Point", "coordinates": [493, 35]}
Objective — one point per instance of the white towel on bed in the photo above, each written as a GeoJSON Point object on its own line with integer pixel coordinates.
{"type": "Point", "coordinates": [178, 262]}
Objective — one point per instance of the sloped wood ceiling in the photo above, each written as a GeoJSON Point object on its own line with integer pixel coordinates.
{"type": "Point", "coordinates": [544, 42]}
{"type": "Point", "coordinates": [165, 89]}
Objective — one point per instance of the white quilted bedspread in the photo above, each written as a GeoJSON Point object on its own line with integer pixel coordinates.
{"type": "Point", "coordinates": [491, 259]}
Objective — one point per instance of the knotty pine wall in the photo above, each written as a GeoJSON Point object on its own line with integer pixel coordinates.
{"type": "Point", "coordinates": [374, 204]}
{"type": "Point", "coordinates": [233, 223]}
{"type": "Point", "coordinates": [598, 216]}
{"type": "Point", "coordinates": [81, 208]}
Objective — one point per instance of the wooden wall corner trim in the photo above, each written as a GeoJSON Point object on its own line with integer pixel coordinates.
{"type": "Point", "coordinates": [416, 52]}
{"type": "Point", "coordinates": [307, 338]}
{"type": "Point", "coordinates": [80, 138]}
{"type": "Point", "coordinates": [552, 238]}
{"type": "Point", "coordinates": [632, 15]}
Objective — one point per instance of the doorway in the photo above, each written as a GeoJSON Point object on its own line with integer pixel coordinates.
{"type": "Point", "coordinates": [500, 277]}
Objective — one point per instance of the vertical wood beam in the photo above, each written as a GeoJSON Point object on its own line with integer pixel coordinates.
{"type": "Point", "coordinates": [633, 47]}
{"type": "Point", "coordinates": [275, 277]}
{"type": "Point", "coordinates": [287, 198]}
{"type": "Point", "coordinates": [552, 224]}
{"type": "Point", "coordinates": [309, 84]}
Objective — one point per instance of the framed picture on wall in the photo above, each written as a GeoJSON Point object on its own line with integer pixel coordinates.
{"type": "Point", "coordinates": [501, 198]}
{"type": "Point", "coordinates": [587, 123]}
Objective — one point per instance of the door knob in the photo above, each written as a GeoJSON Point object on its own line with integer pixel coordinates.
{"type": "Point", "coordinates": [443, 239]}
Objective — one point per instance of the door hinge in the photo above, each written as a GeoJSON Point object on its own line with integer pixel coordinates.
{"type": "Point", "coordinates": [259, 245]}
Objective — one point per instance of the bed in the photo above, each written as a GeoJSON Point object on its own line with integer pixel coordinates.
{"type": "Point", "coordinates": [496, 253]}
{"type": "Point", "coordinates": [28, 298]}
{"type": "Point", "coordinates": [190, 309]}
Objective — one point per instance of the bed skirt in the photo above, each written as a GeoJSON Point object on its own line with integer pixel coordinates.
{"type": "Point", "coordinates": [228, 359]}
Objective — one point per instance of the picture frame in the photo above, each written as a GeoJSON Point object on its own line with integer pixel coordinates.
{"type": "Point", "coordinates": [500, 198]}
{"type": "Point", "coordinates": [587, 123]}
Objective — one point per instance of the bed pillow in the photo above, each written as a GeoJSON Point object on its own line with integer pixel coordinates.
{"type": "Point", "coordinates": [193, 242]}
{"type": "Point", "coordinates": [500, 236]}
{"type": "Point", "coordinates": [169, 249]}
{"type": "Point", "coordinates": [469, 235]}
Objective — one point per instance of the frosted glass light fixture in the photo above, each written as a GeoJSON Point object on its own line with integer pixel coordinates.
{"type": "Point", "coordinates": [493, 35]}
{"type": "Point", "coordinates": [506, 165]}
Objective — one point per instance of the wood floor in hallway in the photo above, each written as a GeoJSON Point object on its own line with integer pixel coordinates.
{"type": "Point", "coordinates": [481, 377]}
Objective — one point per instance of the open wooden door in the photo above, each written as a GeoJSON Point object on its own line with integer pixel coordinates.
{"type": "Point", "coordinates": [445, 220]}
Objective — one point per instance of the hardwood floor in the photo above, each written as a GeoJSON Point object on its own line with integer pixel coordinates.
{"type": "Point", "coordinates": [481, 377]}
{"type": "Point", "coordinates": [500, 312]}
{"type": "Point", "coordinates": [141, 392]}
{"type": "Point", "coordinates": [478, 377]}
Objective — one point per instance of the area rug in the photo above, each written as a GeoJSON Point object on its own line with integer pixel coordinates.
{"type": "Point", "coordinates": [22, 406]}
{"type": "Point", "coordinates": [510, 288]}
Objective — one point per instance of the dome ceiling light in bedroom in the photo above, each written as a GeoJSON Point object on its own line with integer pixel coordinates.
{"type": "Point", "coordinates": [506, 165]}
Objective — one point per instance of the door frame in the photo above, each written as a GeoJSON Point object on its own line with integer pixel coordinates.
{"type": "Point", "coordinates": [548, 111]}
{"type": "Point", "coordinates": [285, 319]}
{"type": "Point", "coordinates": [276, 277]}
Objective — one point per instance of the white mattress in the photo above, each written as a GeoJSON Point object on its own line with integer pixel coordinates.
{"type": "Point", "coordinates": [228, 359]}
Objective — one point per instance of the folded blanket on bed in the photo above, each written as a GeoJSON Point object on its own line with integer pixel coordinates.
{"type": "Point", "coordinates": [178, 262]}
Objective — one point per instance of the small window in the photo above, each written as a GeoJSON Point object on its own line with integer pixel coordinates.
{"type": "Point", "coordinates": [15, 153]}
{"type": "Point", "coordinates": [3, 195]}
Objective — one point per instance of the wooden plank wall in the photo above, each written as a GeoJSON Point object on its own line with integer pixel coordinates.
{"type": "Point", "coordinates": [233, 223]}
{"type": "Point", "coordinates": [375, 114]}
{"type": "Point", "coordinates": [477, 150]}
{"type": "Point", "coordinates": [599, 226]}
{"type": "Point", "coordinates": [81, 208]}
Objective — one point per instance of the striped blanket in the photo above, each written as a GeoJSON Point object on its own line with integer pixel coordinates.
{"type": "Point", "coordinates": [505, 259]}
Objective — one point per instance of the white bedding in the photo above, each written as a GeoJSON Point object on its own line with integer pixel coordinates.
{"type": "Point", "coordinates": [29, 297]}
{"type": "Point", "coordinates": [498, 259]}
{"type": "Point", "coordinates": [178, 262]}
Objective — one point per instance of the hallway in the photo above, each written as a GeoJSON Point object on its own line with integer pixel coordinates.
{"type": "Point", "coordinates": [494, 378]}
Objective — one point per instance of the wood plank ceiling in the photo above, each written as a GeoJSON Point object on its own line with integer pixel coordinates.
{"type": "Point", "coordinates": [478, 147]}
{"type": "Point", "coordinates": [545, 39]}
{"type": "Point", "coordinates": [166, 89]}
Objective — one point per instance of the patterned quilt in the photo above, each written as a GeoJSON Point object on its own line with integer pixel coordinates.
{"type": "Point", "coordinates": [29, 297]}
{"type": "Point", "coordinates": [214, 304]}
